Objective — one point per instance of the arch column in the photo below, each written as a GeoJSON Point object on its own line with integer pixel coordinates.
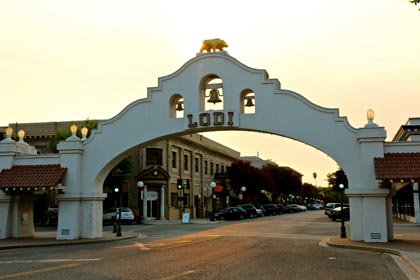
{"type": "Point", "coordinates": [371, 219]}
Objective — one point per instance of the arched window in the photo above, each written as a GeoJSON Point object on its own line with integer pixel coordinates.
{"type": "Point", "coordinates": [211, 93]}
{"type": "Point", "coordinates": [176, 106]}
{"type": "Point", "coordinates": [247, 99]}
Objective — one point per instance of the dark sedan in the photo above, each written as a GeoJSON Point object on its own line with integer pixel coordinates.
{"type": "Point", "coordinates": [229, 213]}
{"type": "Point", "coordinates": [291, 208]}
{"type": "Point", "coordinates": [335, 214]}
{"type": "Point", "coordinates": [271, 210]}
{"type": "Point", "coordinates": [250, 210]}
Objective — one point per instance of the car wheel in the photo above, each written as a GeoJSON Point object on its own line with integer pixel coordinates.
{"type": "Point", "coordinates": [241, 217]}
{"type": "Point", "coordinates": [334, 219]}
{"type": "Point", "coordinates": [251, 215]}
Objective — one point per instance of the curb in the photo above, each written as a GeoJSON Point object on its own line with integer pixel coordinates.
{"type": "Point", "coordinates": [396, 252]}
{"type": "Point", "coordinates": [67, 242]}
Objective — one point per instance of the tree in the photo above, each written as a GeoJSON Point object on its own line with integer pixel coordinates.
{"type": "Point", "coordinates": [61, 134]}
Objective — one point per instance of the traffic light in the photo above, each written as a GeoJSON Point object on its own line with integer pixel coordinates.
{"type": "Point", "coordinates": [341, 180]}
{"type": "Point", "coordinates": [179, 185]}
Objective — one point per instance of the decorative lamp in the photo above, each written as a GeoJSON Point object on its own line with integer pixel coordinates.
{"type": "Point", "coordinates": [9, 132]}
{"type": "Point", "coordinates": [21, 134]}
{"type": "Point", "coordinates": [84, 133]}
{"type": "Point", "coordinates": [140, 184]}
{"type": "Point", "coordinates": [370, 115]}
{"type": "Point", "coordinates": [212, 185]}
{"type": "Point", "coordinates": [73, 129]}
{"type": "Point", "coordinates": [73, 137]}
{"type": "Point", "coordinates": [243, 189]}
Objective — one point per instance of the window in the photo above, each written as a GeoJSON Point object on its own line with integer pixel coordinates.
{"type": "Point", "coordinates": [206, 167]}
{"type": "Point", "coordinates": [223, 169]}
{"type": "Point", "coordinates": [185, 162]}
{"type": "Point", "coordinates": [196, 164]}
{"type": "Point", "coordinates": [211, 168]}
{"type": "Point", "coordinates": [154, 156]}
{"type": "Point", "coordinates": [217, 168]}
{"type": "Point", "coordinates": [173, 159]}
{"type": "Point", "coordinates": [174, 200]}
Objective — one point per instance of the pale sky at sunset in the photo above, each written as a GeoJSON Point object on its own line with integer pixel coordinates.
{"type": "Point", "coordinates": [72, 60]}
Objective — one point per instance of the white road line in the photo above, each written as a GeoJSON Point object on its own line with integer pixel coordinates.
{"type": "Point", "coordinates": [50, 261]}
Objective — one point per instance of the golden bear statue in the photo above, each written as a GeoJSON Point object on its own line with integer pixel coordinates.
{"type": "Point", "coordinates": [213, 45]}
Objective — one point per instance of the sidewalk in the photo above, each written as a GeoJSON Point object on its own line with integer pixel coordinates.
{"type": "Point", "coordinates": [405, 246]}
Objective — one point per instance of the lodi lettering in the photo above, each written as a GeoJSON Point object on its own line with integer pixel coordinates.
{"type": "Point", "coordinates": [211, 119]}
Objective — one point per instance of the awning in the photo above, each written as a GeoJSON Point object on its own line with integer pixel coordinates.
{"type": "Point", "coordinates": [30, 178]}
{"type": "Point", "coordinates": [403, 167]}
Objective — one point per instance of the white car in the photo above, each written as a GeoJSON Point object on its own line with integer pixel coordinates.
{"type": "Point", "coordinates": [112, 215]}
{"type": "Point", "coordinates": [260, 212]}
{"type": "Point", "coordinates": [302, 208]}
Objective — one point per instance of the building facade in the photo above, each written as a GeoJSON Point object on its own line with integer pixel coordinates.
{"type": "Point", "coordinates": [195, 159]}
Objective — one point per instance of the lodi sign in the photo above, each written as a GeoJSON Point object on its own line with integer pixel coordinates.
{"type": "Point", "coordinates": [212, 119]}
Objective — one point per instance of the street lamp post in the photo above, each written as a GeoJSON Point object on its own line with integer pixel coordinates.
{"type": "Point", "coordinates": [243, 189]}
{"type": "Point", "coordinates": [119, 233]}
{"type": "Point", "coordinates": [212, 186]}
{"type": "Point", "coordinates": [343, 228]}
{"type": "Point", "coordinates": [140, 186]}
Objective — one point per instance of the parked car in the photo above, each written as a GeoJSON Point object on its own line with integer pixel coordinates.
{"type": "Point", "coordinates": [229, 213]}
{"type": "Point", "coordinates": [291, 208]}
{"type": "Point", "coordinates": [335, 214]}
{"type": "Point", "coordinates": [260, 211]}
{"type": "Point", "coordinates": [250, 210]}
{"type": "Point", "coordinates": [50, 216]}
{"type": "Point", "coordinates": [315, 206]}
{"type": "Point", "coordinates": [330, 206]}
{"type": "Point", "coordinates": [271, 209]}
{"type": "Point", "coordinates": [112, 214]}
{"type": "Point", "coordinates": [302, 208]}
{"type": "Point", "coordinates": [280, 207]}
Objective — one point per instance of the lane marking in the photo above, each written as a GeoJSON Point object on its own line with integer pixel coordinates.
{"type": "Point", "coordinates": [50, 261]}
{"type": "Point", "coordinates": [179, 275]}
{"type": "Point", "coordinates": [70, 265]}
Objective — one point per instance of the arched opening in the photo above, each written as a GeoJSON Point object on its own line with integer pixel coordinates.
{"type": "Point", "coordinates": [211, 93]}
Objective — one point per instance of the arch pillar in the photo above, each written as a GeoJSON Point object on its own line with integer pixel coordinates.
{"type": "Point", "coordinates": [370, 216]}
{"type": "Point", "coordinates": [80, 208]}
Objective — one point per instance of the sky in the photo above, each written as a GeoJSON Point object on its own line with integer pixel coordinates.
{"type": "Point", "coordinates": [72, 60]}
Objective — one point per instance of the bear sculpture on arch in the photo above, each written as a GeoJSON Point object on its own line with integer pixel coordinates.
{"type": "Point", "coordinates": [213, 45]}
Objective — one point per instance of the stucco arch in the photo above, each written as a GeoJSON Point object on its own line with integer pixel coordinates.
{"type": "Point", "coordinates": [280, 112]}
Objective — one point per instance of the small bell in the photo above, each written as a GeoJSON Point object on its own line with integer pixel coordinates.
{"type": "Point", "coordinates": [249, 101]}
{"type": "Point", "coordinates": [214, 96]}
{"type": "Point", "coordinates": [179, 106]}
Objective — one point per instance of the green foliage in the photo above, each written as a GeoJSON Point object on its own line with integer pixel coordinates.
{"type": "Point", "coordinates": [61, 134]}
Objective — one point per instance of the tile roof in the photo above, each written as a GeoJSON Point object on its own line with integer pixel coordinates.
{"type": "Point", "coordinates": [31, 176]}
{"type": "Point", "coordinates": [398, 166]}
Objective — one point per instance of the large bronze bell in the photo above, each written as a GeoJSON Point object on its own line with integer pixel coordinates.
{"type": "Point", "coordinates": [214, 96]}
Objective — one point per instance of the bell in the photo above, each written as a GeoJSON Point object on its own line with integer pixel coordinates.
{"type": "Point", "coordinates": [214, 96]}
{"type": "Point", "coordinates": [179, 106]}
{"type": "Point", "coordinates": [249, 101]}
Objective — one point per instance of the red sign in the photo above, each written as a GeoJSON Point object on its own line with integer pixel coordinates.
{"type": "Point", "coordinates": [218, 188]}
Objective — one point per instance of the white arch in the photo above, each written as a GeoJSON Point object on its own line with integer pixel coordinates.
{"type": "Point", "coordinates": [280, 112]}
